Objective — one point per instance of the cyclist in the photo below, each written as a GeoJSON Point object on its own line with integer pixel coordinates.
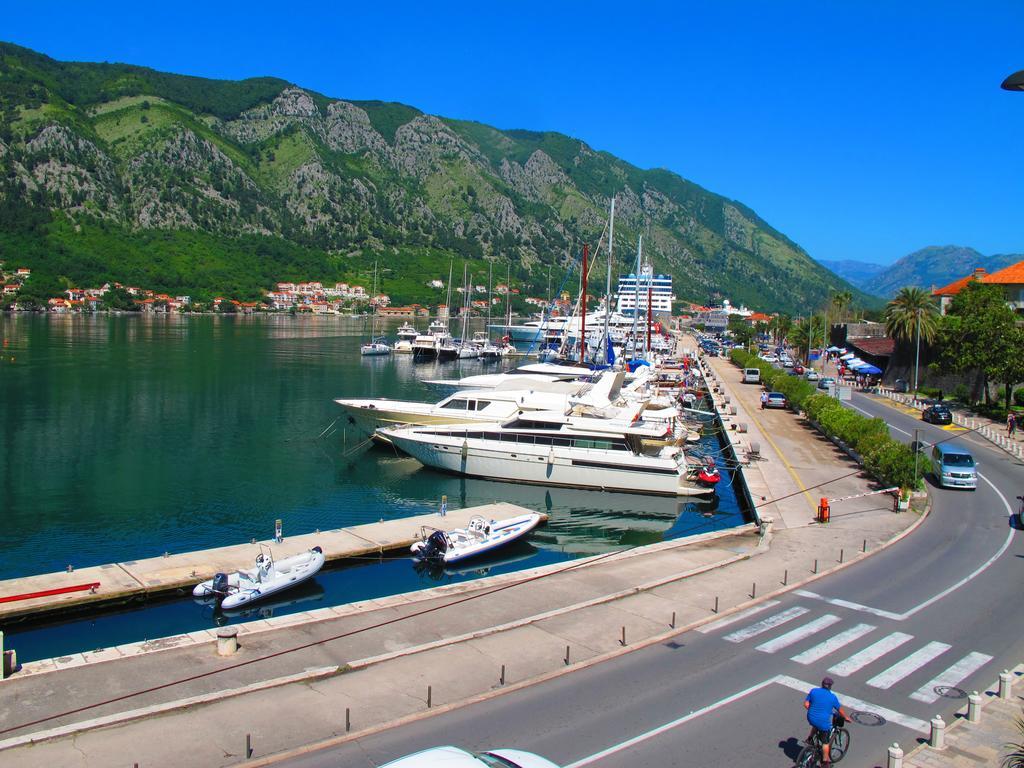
{"type": "Point", "coordinates": [821, 704]}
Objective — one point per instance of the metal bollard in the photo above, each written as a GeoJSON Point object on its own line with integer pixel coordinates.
{"type": "Point", "coordinates": [937, 738]}
{"type": "Point", "coordinates": [227, 641]}
{"type": "Point", "coordinates": [974, 708]}
{"type": "Point", "coordinates": [895, 756]}
{"type": "Point", "coordinates": [1005, 683]}
{"type": "Point", "coordinates": [248, 746]}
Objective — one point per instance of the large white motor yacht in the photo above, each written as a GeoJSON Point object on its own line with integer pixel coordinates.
{"type": "Point", "coordinates": [557, 449]}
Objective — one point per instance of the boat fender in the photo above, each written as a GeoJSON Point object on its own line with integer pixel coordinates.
{"type": "Point", "coordinates": [465, 448]}
{"type": "Point", "coordinates": [551, 455]}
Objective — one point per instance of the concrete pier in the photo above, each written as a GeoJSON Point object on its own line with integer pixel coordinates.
{"type": "Point", "coordinates": [180, 571]}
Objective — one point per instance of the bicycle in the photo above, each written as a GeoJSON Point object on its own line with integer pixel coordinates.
{"type": "Point", "coordinates": [838, 741]}
{"type": "Point", "coordinates": [1020, 512]}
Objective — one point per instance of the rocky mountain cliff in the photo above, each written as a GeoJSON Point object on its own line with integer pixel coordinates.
{"type": "Point", "coordinates": [189, 185]}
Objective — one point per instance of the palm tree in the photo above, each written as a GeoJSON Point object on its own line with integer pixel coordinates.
{"type": "Point", "coordinates": [912, 314]}
{"type": "Point", "coordinates": [840, 301]}
{"type": "Point", "coordinates": [1015, 757]}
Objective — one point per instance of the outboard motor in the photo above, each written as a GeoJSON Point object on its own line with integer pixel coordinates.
{"type": "Point", "coordinates": [435, 546]}
{"type": "Point", "coordinates": [220, 583]}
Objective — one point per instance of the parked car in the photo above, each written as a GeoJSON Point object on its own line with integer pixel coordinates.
{"type": "Point", "coordinates": [937, 414]}
{"type": "Point", "coordinates": [453, 757]}
{"type": "Point", "coordinates": [900, 385]}
{"type": "Point", "coordinates": [787, 363]}
{"type": "Point", "coordinates": [776, 400]}
{"type": "Point", "coordinates": [798, 370]}
{"type": "Point", "coordinates": [811, 375]}
{"type": "Point", "coordinates": [825, 382]}
{"type": "Point", "coordinates": [751, 375]}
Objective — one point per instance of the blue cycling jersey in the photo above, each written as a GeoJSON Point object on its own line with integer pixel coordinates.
{"type": "Point", "coordinates": [822, 704]}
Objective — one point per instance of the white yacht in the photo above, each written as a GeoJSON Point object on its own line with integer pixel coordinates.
{"type": "Point", "coordinates": [555, 449]}
{"type": "Point", "coordinates": [427, 346]}
{"type": "Point", "coordinates": [469, 406]}
{"type": "Point", "coordinates": [406, 332]}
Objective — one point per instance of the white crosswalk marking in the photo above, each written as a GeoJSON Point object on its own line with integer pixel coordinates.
{"type": "Point", "coordinates": [765, 625]}
{"type": "Point", "coordinates": [798, 634]}
{"type": "Point", "coordinates": [913, 662]}
{"type": "Point", "coordinates": [736, 617]}
{"type": "Point", "coordinates": [871, 653]}
{"type": "Point", "coordinates": [972, 662]}
{"type": "Point", "coordinates": [833, 644]}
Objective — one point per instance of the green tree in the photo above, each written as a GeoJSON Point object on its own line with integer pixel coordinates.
{"type": "Point", "coordinates": [119, 298]}
{"type": "Point", "coordinates": [912, 310]}
{"type": "Point", "coordinates": [981, 334]}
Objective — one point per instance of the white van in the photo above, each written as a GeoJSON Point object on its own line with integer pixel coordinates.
{"type": "Point", "coordinates": [751, 375]}
{"type": "Point", "coordinates": [954, 467]}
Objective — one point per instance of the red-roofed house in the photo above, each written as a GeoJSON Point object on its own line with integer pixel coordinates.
{"type": "Point", "coordinates": [758, 317]}
{"type": "Point", "coordinates": [946, 293]}
{"type": "Point", "coordinates": [1012, 280]}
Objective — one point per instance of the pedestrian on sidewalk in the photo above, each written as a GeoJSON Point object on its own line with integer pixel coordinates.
{"type": "Point", "coordinates": [1011, 423]}
{"type": "Point", "coordinates": [764, 399]}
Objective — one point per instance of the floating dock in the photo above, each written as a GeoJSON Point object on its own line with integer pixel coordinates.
{"type": "Point", "coordinates": [118, 582]}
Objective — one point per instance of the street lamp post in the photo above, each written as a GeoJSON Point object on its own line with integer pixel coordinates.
{"type": "Point", "coordinates": [917, 352]}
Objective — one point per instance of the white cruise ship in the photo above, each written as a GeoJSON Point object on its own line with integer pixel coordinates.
{"type": "Point", "coordinates": [633, 292]}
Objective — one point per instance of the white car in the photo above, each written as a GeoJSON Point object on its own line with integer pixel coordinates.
{"type": "Point", "coordinates": [453, 757]}
{"type": "Point", "coordinates": [811, 375]}
{"type": "Point", "coordinates": [770, 358]}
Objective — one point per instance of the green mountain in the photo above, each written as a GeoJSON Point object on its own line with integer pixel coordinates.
{"type": "Point", "coordinates": [189, 185]}
{"type": "Point", "coordinates": [934, 267]}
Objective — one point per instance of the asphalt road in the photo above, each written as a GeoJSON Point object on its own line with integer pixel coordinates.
{"type": "Point", "coordinates": [907, 633]}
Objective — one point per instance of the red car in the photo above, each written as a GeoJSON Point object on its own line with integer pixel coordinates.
{"type": "Point", "coordinates": [798, 370]}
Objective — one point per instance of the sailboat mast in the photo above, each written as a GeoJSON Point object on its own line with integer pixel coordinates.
{"type": "Point", "coordinates": [608, 283]}
{"type": "Point", "coordinates": [465, 300]}
{"type": "Point", "coordinates": [490, 282]}
{"type": "Point", "coordinates": [636, 293]}
{"type": "Point", "coordinates": [448, 305]}
{"type": "Point", "coordinates": [583, 306]}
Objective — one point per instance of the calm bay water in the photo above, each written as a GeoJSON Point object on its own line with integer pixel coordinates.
{"type": "Point", "coordinates": [124, 437]}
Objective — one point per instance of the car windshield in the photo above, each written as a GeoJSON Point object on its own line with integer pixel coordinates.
{"type": "Point", "coordinates": [958, 460]}
{"type": "Point", "coordinates": [494, 760]}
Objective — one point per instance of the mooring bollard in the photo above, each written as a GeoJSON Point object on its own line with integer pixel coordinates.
{"type": "Point", "coordinates": [623, 640]}
{"type": "Point", "coordinates": [841, 553]}
{"type": "Point", "coordinates": [974, 708]}
{"type": "Point", "coordinates": [815, 566]}
{"type": "Point", "coordinates": [716, 605]}
{"type": "Point", "coordinates": [864, 548]}
{"type": "Point", "coordinates": [937, 738]}
{"type": "Point", "coordinates": [895, 756]}
{"type": "Point", "coordinates": [753, 590]}
{"type": "Point", "coordinates": [430, 696]}
{"type": "Point", "coordinates": [672, 623]}
{"type": "Point", "coordinates": [567, 655]}
{"type": "Point", "coordinates": [248, 746]}
{"type": "Point", "coordinates": [785, 577]}
{"type": "Point", "coordinates": [1005, 682]}
{"type": "Point", "coordinates": [348, 720]}
{"type": "Point", "coordinates": [9, 663]}
{"type": "Point", "coordinates": [227, 641]}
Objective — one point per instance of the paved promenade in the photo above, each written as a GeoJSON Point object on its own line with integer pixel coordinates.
{"type": "Point", "coordinates": [361, 667]}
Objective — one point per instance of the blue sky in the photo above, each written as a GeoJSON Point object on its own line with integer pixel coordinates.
{"type": "Point", "coordinates": [861, 130]}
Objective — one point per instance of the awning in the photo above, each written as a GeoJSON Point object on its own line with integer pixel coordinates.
{"type": "Point", "coordinates": [871, 370]}
{"type": "Point", "coordinates": [833, 349]}
{"type": "Point", "coordinates": [847, 356]}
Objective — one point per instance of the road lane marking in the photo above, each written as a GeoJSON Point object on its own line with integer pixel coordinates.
{"type": "Point", "coordinates": [891, 716]}
{"type": "Point", "coordinates": [798, 634]}
{"type": "Point", "coordinates": [840, 603]}
{"type": "Point", "coordinates": [872, 653]}
{"type": "Point", "coordinates": [736, 617]}
{"type": "Point", "coordinates": [912, 663]}
{"type": "Point", "coordinates": [969, 664]}
{"type": "Point", "coordinates": [833, 644]}
{"type": "Point", "coordinates": [849, 702]}
{"type": "Point", "coordinates": [669, 726]}
{"type": "Point", "coordinates": [766, 625]}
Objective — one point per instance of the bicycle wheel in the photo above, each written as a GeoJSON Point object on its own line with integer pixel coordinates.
{"type": "Point", "coordinates": [839, 744]}
{"type": "Point", "coordinates": [808, 758]}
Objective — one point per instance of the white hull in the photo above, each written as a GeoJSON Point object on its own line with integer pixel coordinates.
{"type": "Point", "coordinates": [549, 465]}
{"type": "Point", "coordinates": [245, 587]}
{"type": "Point", "coordinates": [481, 537]}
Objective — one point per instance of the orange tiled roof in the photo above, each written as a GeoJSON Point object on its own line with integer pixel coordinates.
{"type": "Point", "coordinates": [1012, 275]}
{"type": "Point", "coordinates": [759, 317]}
{"type": "Point", "coordinates": [958, 285]}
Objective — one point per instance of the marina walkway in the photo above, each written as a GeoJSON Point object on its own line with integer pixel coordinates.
{"type": "Point", "coordinates": [300, 680]}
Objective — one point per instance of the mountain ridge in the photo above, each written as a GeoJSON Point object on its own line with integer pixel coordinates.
{"type": "Point", "coordinates": [933, 267]}
{"type": "Point", "coordinates": [110, 169]}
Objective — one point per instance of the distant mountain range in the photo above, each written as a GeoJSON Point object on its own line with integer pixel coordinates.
{"type": "Point", "coordinates": [216, 187]}
{"type": "Point", "coordinates": [931, 267]}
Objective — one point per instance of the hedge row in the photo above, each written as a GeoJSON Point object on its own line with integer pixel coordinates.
{"type": "Point", "coordinates": [888, 460]}
{"type": "Point", "coordinates": [796, 388]}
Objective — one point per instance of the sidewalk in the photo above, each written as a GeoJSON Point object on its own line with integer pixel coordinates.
{"type": "Point", "coordinates": [407, 656]}
{"type": "Point", "coordinates": [970, 745]}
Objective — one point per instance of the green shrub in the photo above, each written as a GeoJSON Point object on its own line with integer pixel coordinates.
{"type": "Point", "coordinates": [1018, 396]}
{"type": "Point", "coordinates": [892, 463]}
{"type": "Point", "coordinates": [963, 394]}
{"type": "Point", "coordinates": [929, 391]}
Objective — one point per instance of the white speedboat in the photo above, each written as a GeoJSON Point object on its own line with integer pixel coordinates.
{"type": "Point", "coordinates": [268, 578]}
{"type": "Point", "coordinates": [620, 453]}
{"type": "Point", "coordinates": [477, 538]}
